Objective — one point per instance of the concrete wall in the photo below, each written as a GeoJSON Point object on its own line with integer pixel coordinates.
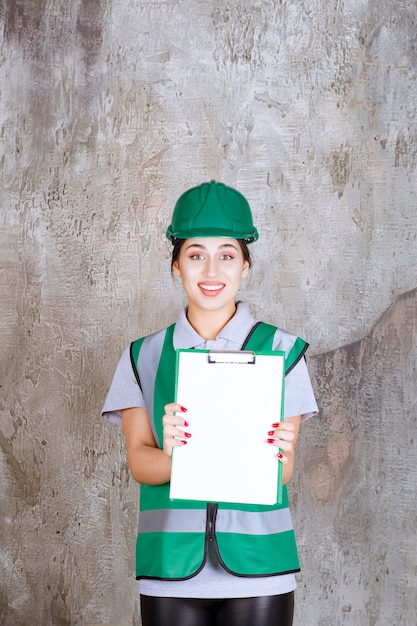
{"type": "Point", "coordinates": [108, 111]}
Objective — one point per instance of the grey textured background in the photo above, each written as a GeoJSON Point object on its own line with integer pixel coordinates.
{"type": "Point", "coordinates": [108, 111]}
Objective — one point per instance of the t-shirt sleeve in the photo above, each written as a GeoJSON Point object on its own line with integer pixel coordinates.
{"type": "Point", "coordinates": [299, 395]}
{"type": "Point", "coordinates": [124, 391]}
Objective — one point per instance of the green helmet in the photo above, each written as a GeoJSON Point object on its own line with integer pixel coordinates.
{"type": "Point", "coordinates": [212, 210]}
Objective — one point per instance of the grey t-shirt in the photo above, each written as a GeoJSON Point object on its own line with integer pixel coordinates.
{"type": "Point", "coordinates": [213, 581]}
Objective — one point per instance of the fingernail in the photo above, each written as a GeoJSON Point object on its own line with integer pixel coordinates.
{"type": "Point", "coordinates": [186, 423]}
{"type": "Point", "coordinates": [187, 435]}
{"type": "Point", "coordinates": [275, 425]}
{"type": "Point", "coordinates": [184, 442]}
{"type": "Point", "coordinates": [280, 456]}
{"type": "Point", "coordinates": [271, 440]}
{"type": "Point", "coordinates": [183, 409]}
{"type": "Point", "coordinates": [271, 432]}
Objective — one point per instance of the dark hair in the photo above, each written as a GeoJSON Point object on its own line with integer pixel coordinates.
{"type": "Point", "coordinates": [178, 243]}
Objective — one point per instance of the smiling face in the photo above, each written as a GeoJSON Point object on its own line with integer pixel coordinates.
{"type": "Point", "coordinates": [211, 270]}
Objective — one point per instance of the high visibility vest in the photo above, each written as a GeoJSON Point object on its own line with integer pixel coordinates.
{"type": "Point", "coordinates": [250, 540]}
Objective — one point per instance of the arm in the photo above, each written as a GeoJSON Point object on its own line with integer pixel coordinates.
{"type": "Point", "coordinates": [148, 464]}
{"type": "Point", "coordinates": [284, 436]}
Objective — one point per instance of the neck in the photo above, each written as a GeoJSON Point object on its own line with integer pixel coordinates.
{"type": "Point", "coordinates": [208, 324]}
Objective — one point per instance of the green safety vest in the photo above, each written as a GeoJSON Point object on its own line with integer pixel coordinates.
{"type": "Point", "coordinates": [250, 540]}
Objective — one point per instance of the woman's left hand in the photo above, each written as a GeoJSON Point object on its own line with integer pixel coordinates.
{"type": "Point", "coordinates": [282, 435]}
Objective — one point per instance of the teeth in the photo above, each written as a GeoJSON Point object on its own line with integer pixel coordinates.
{"type": "Point", "coordinates": [211, 287]}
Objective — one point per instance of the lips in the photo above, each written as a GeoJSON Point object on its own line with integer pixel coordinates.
{"type": "Point", "coordinates": [211, 289]}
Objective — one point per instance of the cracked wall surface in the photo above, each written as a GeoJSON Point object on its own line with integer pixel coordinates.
{"type": "Point", "coordinates": [108, 111]}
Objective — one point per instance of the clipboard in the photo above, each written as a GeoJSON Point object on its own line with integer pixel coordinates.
{"type": "Point", "coordinates": [232, 399]}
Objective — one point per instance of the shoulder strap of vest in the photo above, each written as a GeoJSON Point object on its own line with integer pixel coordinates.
{"type": "Point", "coordinates": [252, 330]}
{"type": "Point", "coordinates": [262, 334]}
{"type": "Point", "coordinates": [135, 348]}
{"type": "Point", "coordinates": [134, 354]}
{"type": "Point", "coordinates": [296, 353]}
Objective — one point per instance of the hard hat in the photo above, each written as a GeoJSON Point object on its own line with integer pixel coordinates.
{"type": "Point", "coordinates": [212, 210]}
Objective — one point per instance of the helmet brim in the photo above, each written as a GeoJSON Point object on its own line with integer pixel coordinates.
{"type": "Point", "coordinates": [212, 232]}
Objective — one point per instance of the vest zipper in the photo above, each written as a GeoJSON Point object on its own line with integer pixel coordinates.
{"type": "Point", "coordinates": [211, 521]}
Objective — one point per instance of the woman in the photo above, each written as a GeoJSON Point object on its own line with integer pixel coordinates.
{"type": "Point", "coordinates": [206, 564]}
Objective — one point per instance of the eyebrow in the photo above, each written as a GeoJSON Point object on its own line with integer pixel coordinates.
{"type": "Point", "coordinates": [202, 247]}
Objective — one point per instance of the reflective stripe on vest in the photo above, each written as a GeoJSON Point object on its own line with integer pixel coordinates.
{"type": "Point", "coordinates": [250, 540]}
{"type": "Point", "coordinates": [189, 520]}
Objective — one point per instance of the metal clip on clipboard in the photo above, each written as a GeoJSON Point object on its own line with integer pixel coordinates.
{"type": "Point", "coordinates": [232, 356]}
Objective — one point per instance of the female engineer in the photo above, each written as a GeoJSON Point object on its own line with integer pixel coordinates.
{"type": "Point", "coordinates": [208, 564]}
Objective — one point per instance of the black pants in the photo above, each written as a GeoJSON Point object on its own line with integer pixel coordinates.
{"type": "Point", "coordinates": [260, 611]}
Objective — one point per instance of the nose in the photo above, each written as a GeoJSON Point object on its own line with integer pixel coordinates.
{"type": "Point", "coordinates": [211, 266]}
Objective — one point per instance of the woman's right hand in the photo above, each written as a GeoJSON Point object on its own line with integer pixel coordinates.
{"type": "Point", "coordinates": [173, 424]}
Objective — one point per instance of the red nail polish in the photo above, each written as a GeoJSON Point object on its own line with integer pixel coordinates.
{"type": "Point", "coordinates": [183, 409]}
{"type": "Point", "coordinates": [271, 432]}
{"type": "Point", "coordinates": [280, 456]}
{"type": "Point", "coordinates": [275, 425]}
{"type": "Point", "coordinates": [187, 435]}
{"type": "Point", "coordinates": [186, 423]}
{"type": "Point", "coordinates": [271, 440]}
{"type": "Point", "coordinates": [184, 442]}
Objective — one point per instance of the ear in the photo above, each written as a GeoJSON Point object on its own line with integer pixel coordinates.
{"type": "Point", "coordinates": [245, 269]}
{"type": "Point", "coordinates": [176, 269]}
